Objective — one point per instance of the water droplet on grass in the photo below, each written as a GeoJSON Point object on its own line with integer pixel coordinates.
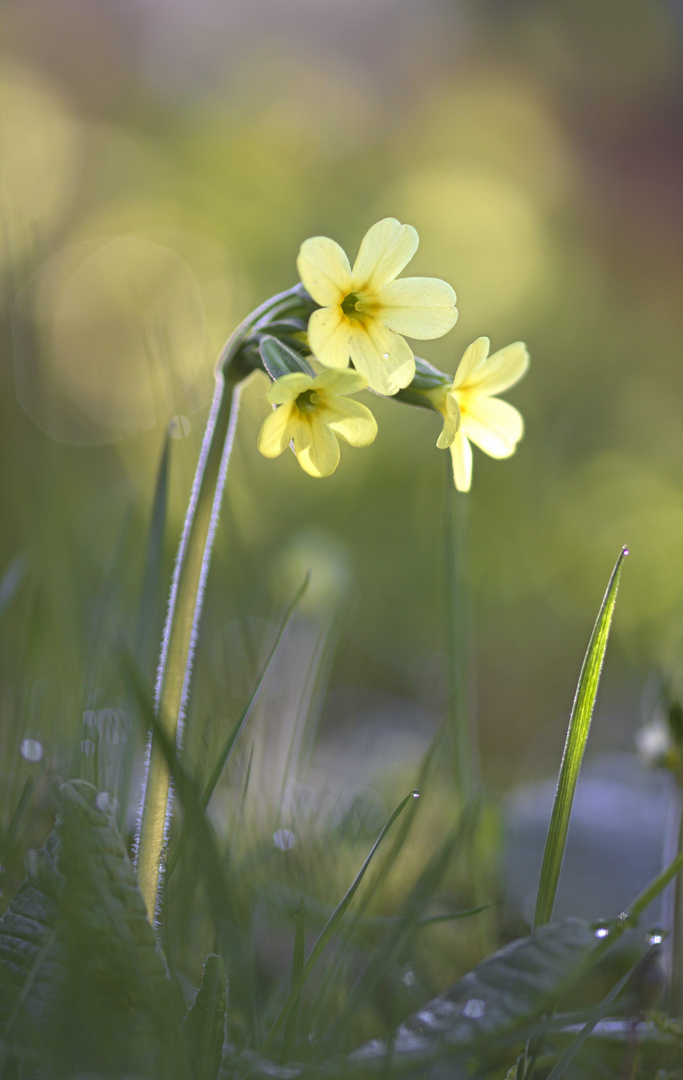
{"type": "Point", "coordinates": [474, 1008]}
{"type": "Point", "coordinates": [656, 934]}
{"type": "Point", "coordinates": [179, 427]}
{"type": "Point", "coordinates": [416, 794]}
{"type": "Point", "coordinates": [284, 839]}
{"type": "Point", "coordinates": [31, 750]}
{"type": "Point", "coordinates": [601, 931]}
{"type": "Point", "coordinates": [105, 801]}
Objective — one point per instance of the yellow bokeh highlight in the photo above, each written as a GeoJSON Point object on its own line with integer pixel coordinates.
{"type": "Point", "coordinates": [118, 331]}
{"type": "Point", "coordinates": [490, 238]}
{"type": "Point", "coordinates": [41, 155]}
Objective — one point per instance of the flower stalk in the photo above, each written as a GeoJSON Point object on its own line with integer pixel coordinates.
{"type": "Point", "coordinates": [238, 359]}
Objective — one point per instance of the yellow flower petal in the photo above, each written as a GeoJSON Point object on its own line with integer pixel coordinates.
{"type": "Point", "coordinates": [493, 425]}
{"type": "Point", "coordinates": [328, 336]}
{"type": "Point", "coordinates": [288, 387]}
{"type": "Point", "coordinates": [461, 459]}
{"type": "Point", "coordinates": [473, 357]}
{"type": "Point", "coordinates": [502, 370]}
{"type": "Point", "coordinates": [383, 357]}
{"type": "Point", "coordinates": [385, 249]}
{"type": "Point", "coordinates": [276, 431]}
{"type": "Point", "coordinates": [324, 270]}
{"type": "Point", "coordinates": [316, 447]}
{"type": "Point", "coordinates": [351, 421]}
{"type": "Point", "coordinates": [451, 422]}
{"type": "Point", "coordinates": [335, 382]}
{"type": "Point", "coordinates": [421, 308]}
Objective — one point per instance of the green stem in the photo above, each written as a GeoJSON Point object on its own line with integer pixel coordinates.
{"type": "Point", "coordinates": [465, 761]}
{"type": "Point", "coordinates": [189, 581]}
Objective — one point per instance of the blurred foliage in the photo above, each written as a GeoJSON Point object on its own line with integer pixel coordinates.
{"type": "Point", "coordinates": [160, 166]}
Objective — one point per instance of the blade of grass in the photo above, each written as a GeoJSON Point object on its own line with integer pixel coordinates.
{"type": "Point", "coordinates": [601, 1010]}
{"type": "Point", "coordinates": [575, 744]}
{"type": "Point", "coordinates": [147, 604]}
{"type": "Point", "coordinates": [330, 927]}
{"type": "Point", "coordinates": [420, 895]}
{"type": "Point", "coordinates": [220, 899]}
{"type": "Point", "coordinates": [244, 715]}
{"type": "Point", "coordinates": [297, 968]}
{"type": "Point", "coordinates": [229, 743]}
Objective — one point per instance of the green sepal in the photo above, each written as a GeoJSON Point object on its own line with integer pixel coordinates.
{"type": "Point", "coordinates": [278, 359]}
{"type": "Point", "coordinates": [426, 378]}
{"type": "Point", "coordinates": [205, 1022]}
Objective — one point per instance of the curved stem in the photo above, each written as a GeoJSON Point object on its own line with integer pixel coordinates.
{"type": "Point", "coordinates": [187, 591]}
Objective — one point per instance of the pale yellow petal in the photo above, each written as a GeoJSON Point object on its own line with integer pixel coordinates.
{"type": "Point", "coordinates": [493, 425]}
{"type": "Point", "coordinates": [324, 270]}
{"type": "Point", "coordinates": [421, 308]}
{"type": "Point", "coordinates": [351, 421]}
{"type": "Point", "coordinates": [385, 249]}
{"type": "Point", "coordinates": [315, 446]}
{"type": "Point", "coordinates": [451, 422]}
{"type": "Point", "coordinates": [335, 382]}
{"type": "Point", "coordinates": [328, 336]}
{"type": "Point", "coordinates": [502, 370]}
{"type": "Point", "coordinates": [288, 387]}
{"type": "Point", "coordinates": [384, 358]}
{"type": "Point", "coordinates": [461, 459]}
{"type": "Point", "coordinates": [277, 431]}
{"type": "Point", "coordinates": [472, 359]}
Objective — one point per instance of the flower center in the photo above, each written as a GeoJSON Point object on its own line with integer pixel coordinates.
{"type": "Point", "coordinates": [307, 402]}
{"type": "Point", "coordinates": [354, 305]}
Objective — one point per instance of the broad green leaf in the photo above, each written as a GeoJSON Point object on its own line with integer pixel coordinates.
{"type": "Point", "coordinates": [86, 988]}
{"type": "Point", "coordinates": [575, 744]}
{"type": "Point", "coordinates": [491, 1006]}
{"type": "Point", "coordinates": [205, 1022]}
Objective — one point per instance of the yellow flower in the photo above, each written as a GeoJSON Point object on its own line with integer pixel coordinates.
{"type": "Point", "coordinates": [471, 412]}
{"type": "Point", "coordinates": [364, 312]}
{"type": "Point", "coordinates": [312, 412]}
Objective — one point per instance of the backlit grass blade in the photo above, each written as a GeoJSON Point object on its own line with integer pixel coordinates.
{"type": "Point", "coordinates": [575, 744]}
{"type": "Point", "coordinates": [415, 904]}
{"type": "Point", "coordinates": [241, 720]}
{"type": "Point", "coordinates": [330, 927]}
{"type": "Point", "coordinates": [297, 968]}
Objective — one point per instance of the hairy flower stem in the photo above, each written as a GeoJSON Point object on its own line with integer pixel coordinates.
{"type": "Point", "coordinates": [465, 757]}
{"type": "Point", "coordinates": [236, 363]}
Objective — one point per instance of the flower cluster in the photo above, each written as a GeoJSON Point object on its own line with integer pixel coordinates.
{"type": "Point", "coordinates": [362, 316]}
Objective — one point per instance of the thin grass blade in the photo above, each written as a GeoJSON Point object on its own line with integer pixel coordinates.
{"type": "Point", "coordinates": [237, 727]}
{"type": "Point", "coordinates": [418, 899]}
{"type": "Point", "coordinates": [330, 927]}
{"type": "Point", "coordinates": [575, 744]}
{"type": "Point", "coordinates": [297, 968]}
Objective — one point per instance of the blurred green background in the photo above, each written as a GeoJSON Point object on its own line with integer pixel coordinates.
{"type": "Point", "coordinates": [161, 163]}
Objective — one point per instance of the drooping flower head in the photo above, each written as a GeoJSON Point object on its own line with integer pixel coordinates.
{"type": "Point", "coordinates": [364, 312]}
{"type": "Point", "coordinates": [472, 412]}
{"type": "Point", "coordinates": [313, 412]}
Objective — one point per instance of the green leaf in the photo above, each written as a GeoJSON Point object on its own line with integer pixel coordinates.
{"type": "Point", "coordinates": [278, 359]}
{"type": "Point", "coordinates": [86, 988]}
{"type": "Point", "coordinates": [482, 1013]}
{"type": "Point", "coordinates": [575, 744]}
{"type": "Point", "coordinates": [205, 1023]}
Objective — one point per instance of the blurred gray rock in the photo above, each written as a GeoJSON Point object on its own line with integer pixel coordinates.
{"type": "Point", "coordinates": [622, 833]}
